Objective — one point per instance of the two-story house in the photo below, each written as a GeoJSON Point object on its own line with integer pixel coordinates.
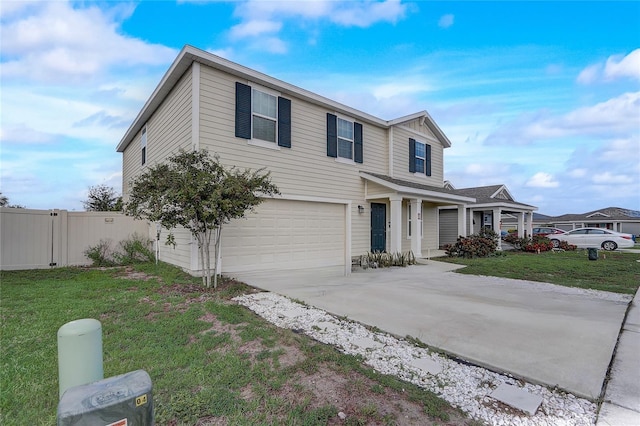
{"type": "Point", "coordinates": [350, 182]}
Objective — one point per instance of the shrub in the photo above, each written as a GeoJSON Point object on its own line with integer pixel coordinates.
{"type": "Point", "coordinates": [135, 249]}
{"type": "Point", "coordinates": [482, 244]}
{"type": "Point", "coordinates": [386, 260]}
{"type": "Point", "coordinates": [567, 247]}
{"type": "Point", "coordinates": [536, 245]}
{"type": "Point", "coordinates": [100, 254]}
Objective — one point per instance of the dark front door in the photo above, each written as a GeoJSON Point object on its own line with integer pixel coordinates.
{"type": "Point", "coordinates": [378, 227]}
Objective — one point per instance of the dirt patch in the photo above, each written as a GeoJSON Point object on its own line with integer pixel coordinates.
{"type": "Point", "coordinates": [131, 274]}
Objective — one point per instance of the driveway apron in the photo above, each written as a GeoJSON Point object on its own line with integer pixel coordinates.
{"type": "Point", "coordinates": [543, 333]}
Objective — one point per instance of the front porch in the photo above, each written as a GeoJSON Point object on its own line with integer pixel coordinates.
{"type": "Point", "coordinates": [404, 215]}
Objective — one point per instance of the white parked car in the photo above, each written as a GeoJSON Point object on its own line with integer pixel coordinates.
{"type": "Point", "coordinates": [594, 237]}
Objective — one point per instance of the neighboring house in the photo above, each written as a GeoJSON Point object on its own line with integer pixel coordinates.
{"type": "Point", "coordinates": [350, 182]}
{"type": "Point", "coordinates": [493, 205]}
{"type": "Point", "coordinates": [614, 218]}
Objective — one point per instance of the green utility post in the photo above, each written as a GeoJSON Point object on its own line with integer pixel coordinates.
{"type": "Point", "coordinates": [79, 353]}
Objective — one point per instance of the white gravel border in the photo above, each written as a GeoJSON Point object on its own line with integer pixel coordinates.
{"type": "Point", "coordinates": [461, 385]}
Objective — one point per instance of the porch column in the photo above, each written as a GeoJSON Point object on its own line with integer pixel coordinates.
{"type": "Point", "coordinates": [529, 224]}
{"type": "Point", "coordinates": [416, 225]}
{"type": "Point", "coordinates": [396, 224]}
{"type": "Point", "coordinates": [496, 216]}
{"type": "Point", "coordinates": [462, 220]}
{"type": "Point", "coordinates": [521, 219]}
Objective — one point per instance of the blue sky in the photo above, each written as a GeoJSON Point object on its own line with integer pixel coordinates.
{"type": "Point", "coordinates": [541, 96]}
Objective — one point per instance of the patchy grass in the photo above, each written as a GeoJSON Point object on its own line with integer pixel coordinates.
{"type": "Point", "coordinates": [211, 361]}
{"type": "Point", "coordinates": [617, 272]}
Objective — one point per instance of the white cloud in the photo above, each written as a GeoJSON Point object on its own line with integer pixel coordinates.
{"type": "Point", "coordinates": [542, 180]}
{"type": "Point", "coordinates": [590, 74]}
{"type": "Point", "coordinates": [446, 21]}
{"type": "Point", "coordinates": [255, 28]}
{"type": "Point", "coordinates": [627, 66]}
{"type": "Point", "coordinates": [267, 17]}
{"type": "Point", "coordinates": [608, 178]}
{"type": "Point", "coordinates": [616, 116]}
{"type": "Point", "coordinates": [58, 43]}
{"type": "Point", "coordinates": [615, 67]}
{"type": "Point", "coordinates": [578, 173]}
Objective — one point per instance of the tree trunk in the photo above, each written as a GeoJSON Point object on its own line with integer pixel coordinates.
{"type": "Point", "coordinates": [216, 249]}
{"type": "Point", "coordinates": [201, 254]}
{"type": "Point", "coordinates": [207, 242]}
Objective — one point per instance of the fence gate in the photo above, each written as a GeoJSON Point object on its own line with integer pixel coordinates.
{"type": "Point", "coordinates": [27, 239]}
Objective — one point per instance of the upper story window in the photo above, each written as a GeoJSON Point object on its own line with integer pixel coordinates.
{"type": "Point", "coordinates": [143, 145]}
{"type": "Point", "coordinates": [262, 117]}
{"type": "Point", "coordinates": [265, 116]}
{"type": "Point", "coordinates": [419, 157]}
{"type": "Point", "coordinates": [344, 139]}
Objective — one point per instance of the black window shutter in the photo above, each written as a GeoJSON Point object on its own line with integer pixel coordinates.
{"type": "Point", "coordinates": [332, 135]}
{"type": "Point", "coordinates": [243, 111]}
{"type": "Point", "coordinates": [284, 122]}
{"type": "Point", "coordinates": [357, 145]}
{"type": "Point", "coordinates": [427, 165]}
{"type": "Point", "coordinates": [412, 155]}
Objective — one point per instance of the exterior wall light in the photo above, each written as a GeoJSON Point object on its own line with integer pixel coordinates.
{"type": "Point", "coordinates": [360, 209]}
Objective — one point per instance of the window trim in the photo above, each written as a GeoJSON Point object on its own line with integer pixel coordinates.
{"type": "Point", "coordinates": [143, 145]}
{"type": "Point", "coordinates": [257, 141]}
{"type": "Point", "coordinates": [423, 158]}
{"type": "Point", "coordinates": [352, 140]}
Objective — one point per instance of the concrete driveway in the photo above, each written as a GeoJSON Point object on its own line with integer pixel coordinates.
{"type": "Point", "coordinates": [543, 333]}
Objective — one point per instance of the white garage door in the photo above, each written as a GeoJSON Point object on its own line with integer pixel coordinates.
{"type": "Point", "coordinates": [285, 235]}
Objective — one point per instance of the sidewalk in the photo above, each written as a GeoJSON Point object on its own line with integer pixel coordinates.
{"type": "Point", "coordinates": [621, 403]}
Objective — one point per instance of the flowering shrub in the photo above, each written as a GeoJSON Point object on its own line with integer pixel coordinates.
{"type": "Point", "coordinates": [482, 244]}
{"type": "Point", "coordinates": [536, 245]}
{"type": "Point", "coordinates": [566, 246]}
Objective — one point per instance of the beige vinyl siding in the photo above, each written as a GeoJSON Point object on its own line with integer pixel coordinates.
{"type": "Point", "coordinates": [168, 130]}
{"type": "Point", "coordinates": [375, 189]}
{"type": "Point", "coordinates": [401, 158]}
{"type": "Point", "coordinates": [302, 170]}
{"type": "Point", "coordinates": [416, 126]}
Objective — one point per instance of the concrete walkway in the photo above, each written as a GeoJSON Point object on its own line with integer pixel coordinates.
{"type": "Point", "coordinates": [546, 334]}
{"type": "Point", "coordinates": [621, 404]}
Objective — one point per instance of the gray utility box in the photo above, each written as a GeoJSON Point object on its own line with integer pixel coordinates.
{"type": "Point", "coordinates": [124, 400]}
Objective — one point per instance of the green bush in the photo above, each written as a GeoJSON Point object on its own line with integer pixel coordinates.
{"type": "Point", "coordinates": [135, 249]}
{"type": "Point", "coordinates": [482, 244]}
{"type": "Point", "coordinates": [100, 254]}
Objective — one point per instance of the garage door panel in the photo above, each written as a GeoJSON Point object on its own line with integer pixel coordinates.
{"type": "Point", "coordinates": [285, 234]}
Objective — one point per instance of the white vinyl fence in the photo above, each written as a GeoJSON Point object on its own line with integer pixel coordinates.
{"type": "Point", "coordinates": [37, 239]}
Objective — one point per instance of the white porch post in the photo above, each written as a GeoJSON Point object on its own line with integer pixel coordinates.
{"type": "Point", "coordinates": [496, 216]}
{"type": "Point", "coordinates": [396, 224]}
{"type": "Point", "coordinates": [521, 217]}
{"type": "Point", "coordinates": [529, 224]}
{"type": "Point", "coordinates": [462, 220]}
{"type": "Point", "coordinates": [416, 225]}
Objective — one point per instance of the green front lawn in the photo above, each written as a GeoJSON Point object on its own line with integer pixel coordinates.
{"type": "Point", "coordinates": [210, 360]}
{"type": "Point", "coordinates": [617, 272]}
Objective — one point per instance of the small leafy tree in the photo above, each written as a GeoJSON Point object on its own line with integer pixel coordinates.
{"type": "Point", "coordinates": [102, 198]}
{"type": "Point", "coordinates": [4, 202]}
{"type": "Point", "coordinates": [193, 190]}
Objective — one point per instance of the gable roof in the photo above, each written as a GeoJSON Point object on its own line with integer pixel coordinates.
{"type": "Point", "coordinates": [606, 214]}
{"type": "Point", "coordinates": [493, 195]}
{"type": "Point", "coordinates": [189, 54]}
{"type": "Point", "coordinates": [408, 187]}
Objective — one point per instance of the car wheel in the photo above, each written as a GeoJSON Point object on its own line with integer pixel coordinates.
{"type": "Point", "coordinates": [556, 243]}
{"type": "Point", "coordinates": [609, 245]}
